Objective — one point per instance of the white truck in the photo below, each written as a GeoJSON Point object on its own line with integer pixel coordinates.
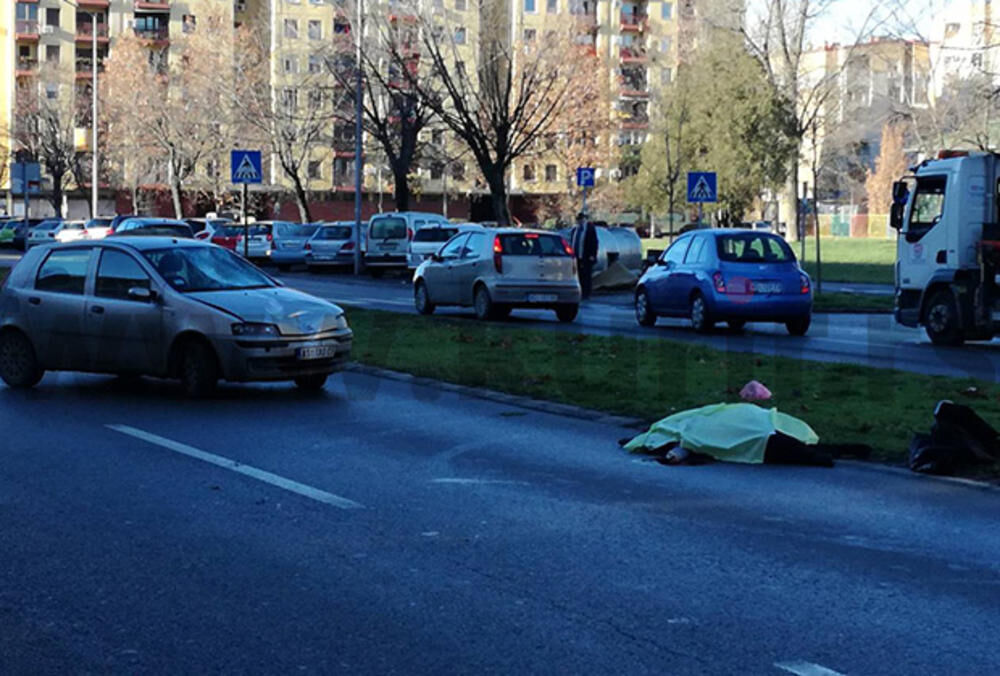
{"type": "Point", "coordinates": [948, 251]}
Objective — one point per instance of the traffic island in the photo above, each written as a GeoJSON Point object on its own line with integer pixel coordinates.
{"type": "Point", "coordinates": [650, 379]}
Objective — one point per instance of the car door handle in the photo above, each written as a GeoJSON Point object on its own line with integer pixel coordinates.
{"type": "Point", "coordinates": [35, 300]}
{"type": "Point", "coordinates": [97, 309]}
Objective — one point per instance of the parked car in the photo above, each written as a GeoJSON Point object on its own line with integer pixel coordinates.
{"type": "Point", "coordinates": [227, 235]}
{"type": "Point", "coordinates": [261, 239]}
{"type": "Point", "coordinates": [149, 225]}
{"type": "Point", "coordinates": [288, 243]}
{"type": "Point", "coordinates": [98, 228]}
{"type": "Point", "coordinates": [21, 229]}
{"type": "Point", "coordinates": [43, 233]}
{"type": "Point", "coordinates": [71, 231]}
{"type": "Point", "coordinates": [117, 219]}
{"type": "Point", "coordinates": [7, 231]}
{"type": "Point", "coordinates": [332, 245]}
{"type": "Point", "coordinates": [167, 308]}
{"type": "Point", "coordinates": [730, 275]}
{"type": "Point", "coordinates": [389, 235]}
{"type": "Point", "coordinates": [204, 228]}
{"type": "Point", "coordinates": [428, 239]}
{"type": "Point", "coordinates": [498, 270]}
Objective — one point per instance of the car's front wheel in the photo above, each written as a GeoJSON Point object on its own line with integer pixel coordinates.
{"type": "Point", "coordinates": [199, 370]}
{"type": "Point", "coordinates": [422, 299]}
{"type": "Point", "coordinates": [643, 312]}
{"type": "Point", "coordinates": [311, 383]}
{"type": "Point", "coordinates": [19, 366]}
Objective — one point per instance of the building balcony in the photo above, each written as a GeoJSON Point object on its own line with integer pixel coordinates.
{"type": "Point", "coordinates": [635, 123]}
{"type": "Point", "coordinates": [628, 93]}
{"type": "Point", "coordinates": [26, 30]}
{"type": "Point", "coordinates": [84, 68]}
{"type": "Point", "coordinates": [85, 32]}
{"type": "Point", "coordinates": [152, 5]}
{"type": "Point", "coordinates": [633, 55]}
{"type": "Point", "coordinates": [93, 4]}
{"type": "Point", "coordinates": [585, 21]}
{"type": "Point", "coordinates": [26, 67]}
{"type": "Point", "coordinates": [634, 21]}
{"type": "Point", "coordinates": [159, 35]}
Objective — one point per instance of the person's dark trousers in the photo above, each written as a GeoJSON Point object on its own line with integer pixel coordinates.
{"type": "Point", "coordinates": [586, 278]}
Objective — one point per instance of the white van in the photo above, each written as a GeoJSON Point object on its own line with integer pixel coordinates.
{"type": "Point", "coordinates": [389, 237]}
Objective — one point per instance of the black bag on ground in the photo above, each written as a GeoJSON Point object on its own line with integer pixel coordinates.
{"type": "Point", "coordinates": [929, 455]}
{"type": "Point", "coordinates": [960, 426]}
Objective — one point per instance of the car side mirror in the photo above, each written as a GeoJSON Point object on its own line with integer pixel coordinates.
{"type": "Point", "coordinates": [663, 263]}
{"type": "Point", "coordinates": [896, 216]}
{"type": "Point", "coordinates": [900, 191]}
{"type": "Point", "coordinates": [437, 258]}
{"type": "Point", "coordinates": [141, 294]}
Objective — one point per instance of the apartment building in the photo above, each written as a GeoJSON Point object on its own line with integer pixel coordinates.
{"type": "Point", "coordinates": [964, 42]}
{"type": "Point", "coordinates": [48, 46]}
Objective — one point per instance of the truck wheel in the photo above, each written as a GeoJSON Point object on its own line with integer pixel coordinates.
{"type": "Point", "coordinates": [941, 319]}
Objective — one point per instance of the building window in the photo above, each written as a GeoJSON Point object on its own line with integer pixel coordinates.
{"type": "Point", "coordinates": [460, 5]}
{"type": "Point", "coordinates": [52, 53]}
{"type": "Point", "coordinates": [52, 17]}
{"type": "Point", "coordinates": [188, 23]}
{"type": "Point", "coordinates": [529, 6]}
{"type": "Point", "coordinates": [666, 76]}
{"type": "Point", "coordinates": [458, 171]}
{"type": "Point", "coordinates": [551, 173]}
{"type": "Point", "coordinates": [291, 29]}
{"type": "Point", "coordinates": [290, 99]}
{"type": "Point", "coordinates": [341, 27]}
{"type": "Point", "coordinates": [552, 6]}
{"type": "Point", "coordinates": [315, 29]}
{"type": "Point", "coordinates": [51, 91]}
{"type": "Point", "coordinates": [460, 35]}
{"type": "Point", "coordinates": [291, 64]}
{"type": "Point", "coordinates": [529, 34]}
{"type": "Point", "coordinates": [667, 11]}
{"type": "Point", "coordinates": [529, 172]}
{"type": "Point", "coordinates": [315, 169]}
{"type": "Point", "coordinates": [315, 99]}
{"type": "Point", "coordinates": [437, 137]}
{"type": "Point", "coordinates": [315, 63]}
{"type": "Point", "coordinates": [437, 171]}
{"type": "Point", "coordinates": [665, 45]}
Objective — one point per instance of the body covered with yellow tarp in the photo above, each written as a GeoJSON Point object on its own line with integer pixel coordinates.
{"type": "Point", "coordinates": [730, 432]}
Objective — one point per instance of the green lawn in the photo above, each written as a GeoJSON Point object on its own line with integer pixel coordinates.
{"type": "Point", "coordinates": [851, 302]}
{"type": "Point", "coordinates": [651, 379]}
{"type": "Point", "coordinates": [844, 260]}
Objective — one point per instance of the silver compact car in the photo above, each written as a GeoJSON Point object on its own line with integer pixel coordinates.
{"type": "Point", "coordinates": [164, 307]}
{"type": "Point", "coordinates": [495, 271]}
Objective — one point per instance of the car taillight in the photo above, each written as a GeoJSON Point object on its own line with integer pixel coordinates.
{"type": "Point", "coordinates": [566, 247]}
{"type": "Point", "coordinates": [409, 234]}
{"type": "Point", "coordinates": [806, 287]}
{"type": "Point", "coordinates": [308, 246]}
{"type": "Point", "coordinates": [498, 255]}
{"type": "Point", "coordinates": [347, 247]}
{"type": "Point", "coordinates": [720, 282]}
{"type": "Point", "coordinates": [270, 237]}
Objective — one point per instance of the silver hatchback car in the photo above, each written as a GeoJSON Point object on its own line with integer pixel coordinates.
{"type": "Point", "coordinates": [163, 307]}
{"type": "Point", "coordinates": [495, 271]}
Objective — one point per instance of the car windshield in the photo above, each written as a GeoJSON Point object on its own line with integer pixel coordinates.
{"type": "Point", "coordinates": [389, 228]}
{"type": "Point", "coordinates": [532, 244]}
{"type": "Point", "coordinates": [258, 229]}
{"type": "Point", "coordinates": [208, 268]}
{"type": "Point", "coordinates": [334, 232]}
{"type": "Point", "coordinates": [73, 226]}
{"type": "Point", "coordinates": [229, 231]}
{"type": "Point", "coordinates": [47, 225]}
{"type": "Point", "coordinates": [753, 248]}
{"type": "Point", "coordinates": [99, 223]}
{"type": "Point", "coordinates": [434, 234]}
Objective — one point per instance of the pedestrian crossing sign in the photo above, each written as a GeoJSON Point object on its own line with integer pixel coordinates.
{"type": "Point", "coordinates": [702, 187]}
{"type": "Point", "coordinates": [246, 166]}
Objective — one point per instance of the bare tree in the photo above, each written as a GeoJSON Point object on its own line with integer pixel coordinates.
{"type": "Point", "coordinates": [500, 103]}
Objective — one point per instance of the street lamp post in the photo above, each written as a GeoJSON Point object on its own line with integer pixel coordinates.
{"type": "Point", "coordinates": [93, 112]}
{"type": "Point", "coordinates": [358, 162]}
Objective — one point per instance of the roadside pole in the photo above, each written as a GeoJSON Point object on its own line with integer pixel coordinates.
{"type": "Point", "coordinates": [800, 220]}
{"type": "Point", "coordinates": [245, 167]}
{"type": "Point", "coordinates": [27, 190]}
{"type": "Point", "coordinates": [358, 163]}
{"type": "Point", "coordinates": [584, 208]}
{"type": "Point", "coordinates": [819, 262]}
{"type": "Point", "coordinates": [246, 223]}
{"type": "Point", "coordinates": [585, 178]}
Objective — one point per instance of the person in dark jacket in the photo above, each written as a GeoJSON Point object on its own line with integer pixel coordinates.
{"type": "Point", "coordinates": [585, 248]}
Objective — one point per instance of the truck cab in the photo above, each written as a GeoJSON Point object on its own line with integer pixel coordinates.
{"type": "Point", "coordinates": [946, 215]}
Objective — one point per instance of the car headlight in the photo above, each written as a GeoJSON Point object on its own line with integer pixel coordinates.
{"type": "Point", "coordinates": [341, 321]}
{"type": "Point", "coordinates": [255, 329]}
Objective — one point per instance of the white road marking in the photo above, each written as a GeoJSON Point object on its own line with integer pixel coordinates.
{"type": "Point", "coordinates": [239, 468]}
{"type": "Point", "coordinates": [478, 482]}
{"type": "Point", "coordinates": [800, 668]}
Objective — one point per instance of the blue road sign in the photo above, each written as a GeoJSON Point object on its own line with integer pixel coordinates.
{"type": "Point", "coordinates": [22, 173]}
{"type": "Point", "coordinates": [702, 187]}
{"type": "Point", "coordinates": [246, 166]}
{"type": "Point", "coordinates": [585, 177]}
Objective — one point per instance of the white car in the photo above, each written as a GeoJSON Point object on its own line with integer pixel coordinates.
{"type": "Point", "coordinates": [428, 239]}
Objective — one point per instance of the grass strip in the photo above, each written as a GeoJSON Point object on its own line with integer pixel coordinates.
{"type": "Point", "coordinates": [651, 379]}
{"type": "Point", "coordinates": [3, 274]}
{"type": "Point", "coordinates": [851, 302]}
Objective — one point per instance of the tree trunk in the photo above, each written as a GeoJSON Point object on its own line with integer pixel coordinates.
{"type": "Point", "coordinates": [175, 195]}
{"type": "Point", "coordinates": [301, 200]}
{"type": "Point", "coordinates": [57, 192]}
{"type": "Point", "coordinates": [135, 197]}
{"type": "Point", "coordinates": [498, 196]}
{"type": "Point", "coordinates": [401, 189]}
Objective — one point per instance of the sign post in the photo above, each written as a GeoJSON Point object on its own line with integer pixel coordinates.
{"type": "Point", "coordinates": [585, 179]}
{"type": "Point", "coordinates": [703, 186]}
{"type": "Point", "coordinates": [245, 168]}
{"type": "Point", "coordinates": [26, 180]}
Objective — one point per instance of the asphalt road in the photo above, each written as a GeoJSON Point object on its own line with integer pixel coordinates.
{"type": "Point", "coordinates": [407, 530]}
{"type": "Point", "coordinates": [873, 339]}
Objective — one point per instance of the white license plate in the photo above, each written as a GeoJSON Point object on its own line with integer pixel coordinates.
{"type": "Point", "coordinates": [317, 352]}
{"type": "Point", "coordinates": [542, 298]}
{"type": "Point", "coordinates": [386, 246]}
{"type": "Point", "coordinates": [321, 257]}
{"type": "Point", "coordinates": [766, 287]}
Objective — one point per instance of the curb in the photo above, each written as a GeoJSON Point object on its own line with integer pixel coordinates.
{"type": "Point", "coordinates": [540, 405]}
{"type": "Point", "coordinates": [579, 413]}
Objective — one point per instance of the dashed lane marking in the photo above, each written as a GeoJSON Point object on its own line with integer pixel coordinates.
{"type": "Point", "coordinates": [234, 466]}
{"type": "Point", "coordinates": [801, 668]}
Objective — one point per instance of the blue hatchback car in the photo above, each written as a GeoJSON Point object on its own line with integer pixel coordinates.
{"type": "Point", "coordinates": [736, 276]}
